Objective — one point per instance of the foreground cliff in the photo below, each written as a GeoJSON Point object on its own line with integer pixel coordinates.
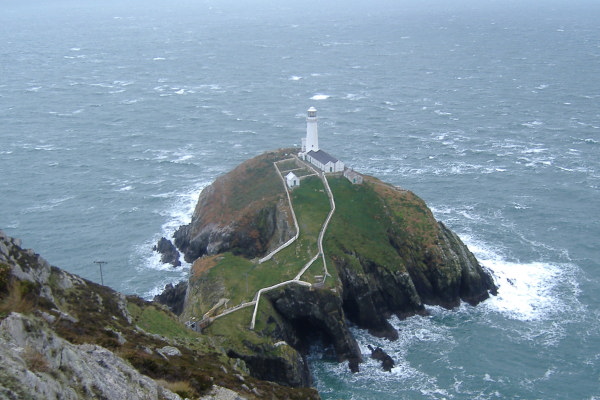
{"type": "Point", "coordinates": [63, 337]}
{"type": "Point", "coordinates": [383, 254]}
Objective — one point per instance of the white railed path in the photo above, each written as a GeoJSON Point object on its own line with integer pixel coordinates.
{"type": "Point", "coordinates": [263, 290]}
{"type": "Point", "coordinates": [321, 233]}
{"type": "Point", "coordinates": [296, 280]}
{"type": "Point", "coordinates": [232, 309]}
{"type": "Point", "coordinates": [292, 240]}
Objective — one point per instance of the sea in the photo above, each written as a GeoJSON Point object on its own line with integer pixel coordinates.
{"type": "Point", "coordinates": [114, 115]}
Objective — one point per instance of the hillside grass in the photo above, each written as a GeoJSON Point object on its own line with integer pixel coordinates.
{"type": "Point", "coordinates": [153, 319]}
{"type": "Point", "coordinates": [243, 277]}
{"type": "Point", "coordinates": [360, 224]}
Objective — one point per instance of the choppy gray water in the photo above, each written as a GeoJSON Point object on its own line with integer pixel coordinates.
{"type": "Point", "coordinates": [114, 116]}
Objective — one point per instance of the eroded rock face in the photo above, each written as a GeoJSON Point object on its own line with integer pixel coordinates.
{"type": "Point", "coordinates": [168, 252]}
{"type": "Point", "coordinates": [311, 311]}
{"type": "Point", "coordinates": [37, 364]}
{"type": "Point", "coordinates": [173, 297]}
{"type": "Point", "coordinates": [286, 366]}
{"type": "Point", "coordinates": [245, 212]}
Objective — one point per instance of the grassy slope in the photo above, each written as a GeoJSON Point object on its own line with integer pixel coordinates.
{"type": "Point", "coordinates": [134, 329]}
{"type": "Point", "coordinates": [242, 278]}
{"type": "Point", "coordinates": [368, 215]}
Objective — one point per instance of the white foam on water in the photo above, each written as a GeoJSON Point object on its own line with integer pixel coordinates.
{"type": "Point", "coordinates": [320, 96]}
{"type": "Point", "coordinates": [413, 331]}
{"type": "Point", "coordinates": [533, 124]}
{"type": "Point", "coordinates": [527, 291]}
{"type": "Point", "coordinates": [295, 78]}
{"type": "Point", "coordinates": [179, 213]}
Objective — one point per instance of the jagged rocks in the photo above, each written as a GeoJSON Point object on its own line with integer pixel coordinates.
{"type": "Point", "coordinates": [377, 353]}
{"type": "Point", "coordinates": [37, 364]}
{"type": "Point", "coordinates": [173, 297]}
{"type": "Point", "coordinates": [168, 252]}
{"type": "Point", "coordinates": [311, 313]}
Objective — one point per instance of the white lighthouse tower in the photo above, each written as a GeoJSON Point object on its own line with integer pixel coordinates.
{"type": "Point", "coordinates": [312, 135]}
{"type": "Point", "coordinates": [310, 147]}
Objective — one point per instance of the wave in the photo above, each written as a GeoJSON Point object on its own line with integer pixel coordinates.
{"type": "Point", "coordinates": [319, 96]}
{"type": "Point", "coordinates": [528, 291]}
{"type": "Point", "coordinates": [177, 214]}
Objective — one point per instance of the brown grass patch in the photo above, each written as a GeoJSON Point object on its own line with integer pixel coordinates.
{"type": "Point", "coordinates": [203, 264]}
{"type": "Point", "coordinates": [35, 360]}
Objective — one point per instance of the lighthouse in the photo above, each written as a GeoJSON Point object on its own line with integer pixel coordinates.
{"type": "Point", "coordinates": [310, 147]}
{"type": "Point", "coordinates": [312, 134]}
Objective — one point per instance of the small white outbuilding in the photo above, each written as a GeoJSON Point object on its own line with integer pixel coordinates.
{"type": "Point", "coordinates": [292, 180]}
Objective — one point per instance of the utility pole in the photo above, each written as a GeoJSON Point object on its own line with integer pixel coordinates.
{"type": "Point", "coordinates": [100, 265]}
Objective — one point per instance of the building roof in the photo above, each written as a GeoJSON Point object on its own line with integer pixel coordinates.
{"type": "Point", "coordinates": [291, 175]}
{"type": "Point", "coordinates": [322, 157]}
{"type": "Point", "coordinates": [351, 174]}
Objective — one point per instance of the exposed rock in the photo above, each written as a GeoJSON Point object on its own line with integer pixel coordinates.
{"type": "Point", "coordinates": [169, 351]}
{"type": "Point", "coordinates": [377, 353]}
{"type": "Point", "coordinates": [221, 393]}
{"type": "Point", "coordinates": [244, 211]}
{"type": "Point", "coordinates": [315, 313]}
{"type": "Point", "coordinates": [37, 364]}
{"type": "Point", "coordinates": [60, 336]}
{"type": "Point", "coordinates": [284, 365]}
{"type": "Point", "coordinates": [168, 251]}
{"type": "Point", "coordinates": [173, 297]}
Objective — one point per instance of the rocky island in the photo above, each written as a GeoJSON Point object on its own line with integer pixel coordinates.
{"type": "Point", "coordinates": [278, 266]}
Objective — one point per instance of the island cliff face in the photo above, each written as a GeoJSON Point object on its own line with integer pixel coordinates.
{"type": "Point", "coordinates": [385, 254]}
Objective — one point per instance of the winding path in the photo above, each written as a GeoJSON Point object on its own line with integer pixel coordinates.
{"type": "Point", "coordinates": [296, 280]}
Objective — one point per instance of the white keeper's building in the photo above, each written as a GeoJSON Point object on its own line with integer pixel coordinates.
{"type": "Point", "coordinates": [310, 147]}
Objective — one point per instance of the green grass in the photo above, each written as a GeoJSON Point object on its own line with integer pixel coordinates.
{"type": "Point", "coordinates": [262, 181]}
{"type": "Point", "coordinates": [287, 165]}
{"type": "Point", "coordinates": [233, 330]}
{"type": "Point", "coordinates": [360, 224]}
{"type": "Point", "coordinates": [154, 320]}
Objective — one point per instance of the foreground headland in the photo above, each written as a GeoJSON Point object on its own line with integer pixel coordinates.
{"type": "Point", "coordinates": [281, 263]}
{"type": "Point", "coordinates": [63, 337]}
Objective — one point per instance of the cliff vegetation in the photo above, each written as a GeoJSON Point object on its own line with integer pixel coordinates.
{"type": "Point", "coordinates": [62, 336]}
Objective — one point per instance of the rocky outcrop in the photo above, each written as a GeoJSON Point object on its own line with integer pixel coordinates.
{"type": "Point", "coordinates": [244, 211]}
{"type": "Point", "coordinates": [386, 253]}
{"type": "Point", "coordinates": [315, 314]}
{"type": "Point", "coordinates": [168, 252]}
{"type": "Point", "coordinates": [173, 297]}
{"type": "Point", "coordinates": [476, 283]}
{"type": "Point", "coordinates": [377, 353]}
{"type": "Point", "coordinates": [284, 365]}
{"type": "Point", "coordinates": [371, 294]}
{"type": "Point", "coordinates": [38, 364]}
